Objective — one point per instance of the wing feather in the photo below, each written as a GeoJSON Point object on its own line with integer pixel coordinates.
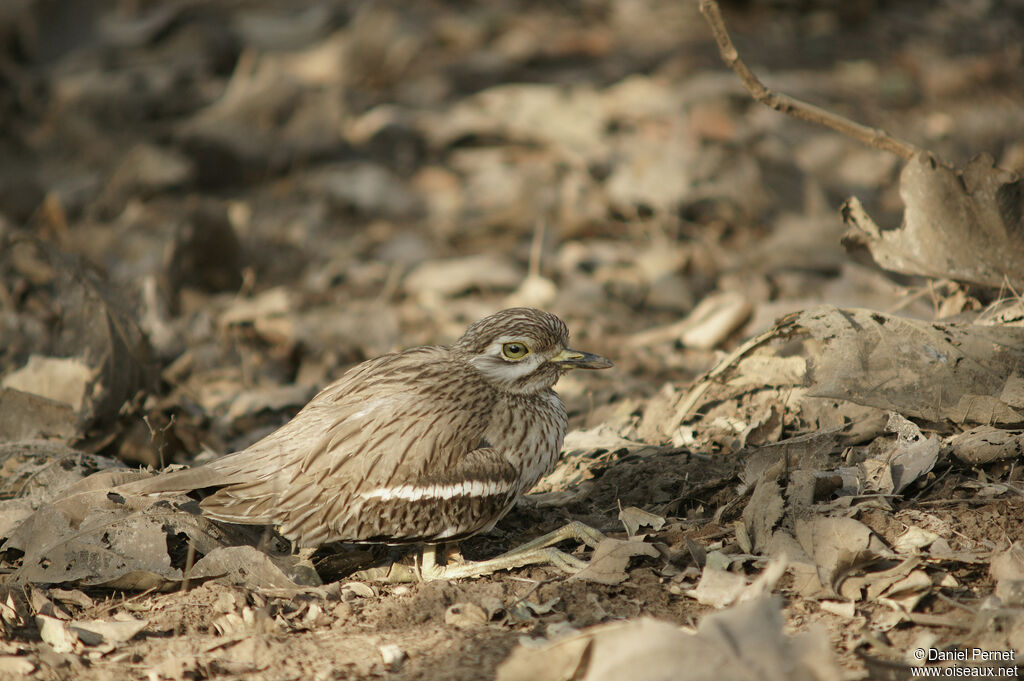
{"type": "Point", "coordinates": [391, 421]}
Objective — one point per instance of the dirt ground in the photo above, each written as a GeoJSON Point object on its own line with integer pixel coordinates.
{"type": "Point", "coordinates": [208, 211]}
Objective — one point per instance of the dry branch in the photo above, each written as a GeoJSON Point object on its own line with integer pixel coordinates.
{"type": "Point", "coordinates": [794, 107]}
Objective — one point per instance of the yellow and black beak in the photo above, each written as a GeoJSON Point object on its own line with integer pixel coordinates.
{"type": "Point", "coordinates": [574, 359]}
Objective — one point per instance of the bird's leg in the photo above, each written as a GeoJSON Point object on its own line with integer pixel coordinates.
{"type": "Point", "coordinates": [539, 551]}
{"type": "Point", "coordinates": [536, 552]}
{"type": "Point", "coordinates": [574, 530]}
{"type": "Point", "coordinates": [506, 561]}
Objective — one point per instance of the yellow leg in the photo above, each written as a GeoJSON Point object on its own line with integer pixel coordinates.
{"type": "Point", "coordinates": [539, 551]}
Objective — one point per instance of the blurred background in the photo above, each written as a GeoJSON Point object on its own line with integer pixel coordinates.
{"type": "Point", "coordinates": [254, 195]}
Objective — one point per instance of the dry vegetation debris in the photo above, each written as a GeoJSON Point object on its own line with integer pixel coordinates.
{"type": "Point", "coordinates": [806, 458]}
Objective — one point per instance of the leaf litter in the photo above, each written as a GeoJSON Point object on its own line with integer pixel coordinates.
{"type": "Point", "coordinates": [785, 418]}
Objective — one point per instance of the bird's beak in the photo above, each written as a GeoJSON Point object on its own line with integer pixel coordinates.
{"type": "Point", "coordinates": [574, 359]}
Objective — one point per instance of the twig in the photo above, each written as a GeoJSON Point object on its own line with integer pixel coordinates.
{"type": "Point", "coordinates": [874, 137]}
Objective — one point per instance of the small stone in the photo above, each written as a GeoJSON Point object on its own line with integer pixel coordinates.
{"type": "Point", "coordinates": [392, 655]}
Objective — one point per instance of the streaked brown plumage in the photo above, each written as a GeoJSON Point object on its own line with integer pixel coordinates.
{"type": "Point", "coordinates": [428, 445]}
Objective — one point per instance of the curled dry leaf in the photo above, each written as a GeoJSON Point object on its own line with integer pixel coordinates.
{"type": "Point", "coordinates": [901, 461]}
{"type": "Point", "coordinates": [37, 472]}
{"type": "Point", "coordinates": [610, 560]}
{"type": "Point", "coordinates": [95, 632]}
{"type": "Point", "coordinates": [27, 416]}
{"type": "Point", "coordinates": [253, 568]}
{"type": "Point", "coordinates": [57, 634]}
{"type": "Point", "coordinates": [708, 325]}
{"type": "Point", "coordinates": [721, 588]}
{"type": "Point", "coordinates": [957, 224]}
{"type": "Point", "coordinates": [437, 279]}
{"type": "Point", "coordinates": [17, 667]}
{"type": "Point", "coordinates": [985, 444]}
{"type": "Point", "coordinates": [634, 518]}
{"type": "Point", "coordinates": [718, 588]}
{"type": "Point", "coordinates": [100, 329]}
{"type": "Point", "coordinates": [913, 539]}
{"type": "Point", "coordinates": [762, 512]}
{"type": "Point", "coordinates": [92, 536]}
{"type": "Point", "coordinates": [838, 545]}
{"type": "Point", "coordinates": [392, 656]}
{"type": "Point", "coordinates": [928, 370]}
{"type": "Point", "coordinates": [61, 379]}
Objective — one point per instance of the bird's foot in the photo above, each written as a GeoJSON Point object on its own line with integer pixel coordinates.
{"type": "Point", "coordinates": [539, 551]}
{"type": "Point", "coordinates": [574, 530]}
{"type": "Point", "coordinates": [506, 561]}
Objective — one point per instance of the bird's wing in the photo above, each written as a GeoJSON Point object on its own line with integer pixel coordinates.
{"type": "Point", "coordinates": [263, 466]}
{"type": "Point", "coordinates": [402, 422]}
{"type": "Point", "coordinates": [392, 435]}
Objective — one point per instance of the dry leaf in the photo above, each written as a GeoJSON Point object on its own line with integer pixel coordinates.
{"type": "Point", "coordinates": [837, 545]}
{"type": "Point", "coordinates": [95, 632]}
{"type": "Point", "coordinates": [61, 379]}
{"type": "Point", "coordinates": [762, 512]}
{"type": "Point", "coordinates": [927, 370]}
{"type": "Point", "coordinates": [610, 560]}
{"type": "Point", "coordinates": [744, 643]}
{"type": "Point", "coordinates": [957, 224]}
{"type": "Point", "coordinates": [57, 634]}
{"type": "Point", "coordinates": [1007, 569]}
{"type": "Point", "coordinates": [26, 416]}
{"type": "Point", "coordinates": [437, 279]}
{"type": "Point", "coordinates": [718, 588]}
{"type": "Point", "coordinates": [984, 444]}
{"type": "Point", "coordinates": [633, 518]}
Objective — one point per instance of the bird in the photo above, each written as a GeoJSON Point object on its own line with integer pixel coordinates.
{"type": "Point", "coordinates": [427, 446]}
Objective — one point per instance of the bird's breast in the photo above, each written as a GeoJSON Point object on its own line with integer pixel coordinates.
{"type": "Point", "coordinates": [528, 431]}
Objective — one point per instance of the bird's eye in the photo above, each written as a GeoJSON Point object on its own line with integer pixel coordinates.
{"type": "Point", "coordinates": [515, 350]}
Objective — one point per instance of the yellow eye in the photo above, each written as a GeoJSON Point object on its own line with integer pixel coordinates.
{"type": "Point", "coordinates": [515, 350]}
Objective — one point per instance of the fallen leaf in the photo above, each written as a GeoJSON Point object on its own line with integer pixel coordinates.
{"type": "Point", "coordinates": [762, 512]}
{"type": "Point", "coordinates": [633, 518]}
{"type": "Point", "coordinates": [56, 634]}
{"type": "Point", "coordinates": [837, 545]}
{"type": "Point", "coordinates": [61, 379]}
{"type": "Point", "coordinates": [985, 444]}
{"type": "Point", "coordinates": [437, 279]}
{"type": "Point", "coordinates": [16, 666]}
{"type": "Point", "coordinates": [915, 454]}
{"type": "Point", "coordinates": [718, 588]}
{"type": "Point", "coordinates": [957, 224]}
{"type": "Point", "coordinates": [1007, 569]}
{"type": "Point", "coordinates": [392, 656]}
{"type": "Point", "coordinates": [742, 643]}
{"type": "Point", "coordinates": [913, 539]}
{"type": "Point", "coordinates": [610, 560]}
{"type": "Point", "coordinates": [94, 632]}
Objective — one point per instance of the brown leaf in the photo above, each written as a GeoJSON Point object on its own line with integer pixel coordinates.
{"type": "Point", "coordinates": [610, 560]}
{"type": "Point", "coordinates": [744, 643]}
{"type": "Point", "coordinates": [837, 545]}
{"type": "Point", "coordinates": [957, 224]}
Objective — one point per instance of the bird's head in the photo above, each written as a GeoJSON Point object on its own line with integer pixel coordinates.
{"type": "Point", "coordinates": [523, 350]}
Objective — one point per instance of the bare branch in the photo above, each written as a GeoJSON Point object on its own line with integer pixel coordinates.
{"type": "Point", "coordinates": [794, 107]}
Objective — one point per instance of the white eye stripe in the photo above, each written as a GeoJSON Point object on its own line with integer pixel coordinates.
{"type": "Point", "coordinates": [468, 488]}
